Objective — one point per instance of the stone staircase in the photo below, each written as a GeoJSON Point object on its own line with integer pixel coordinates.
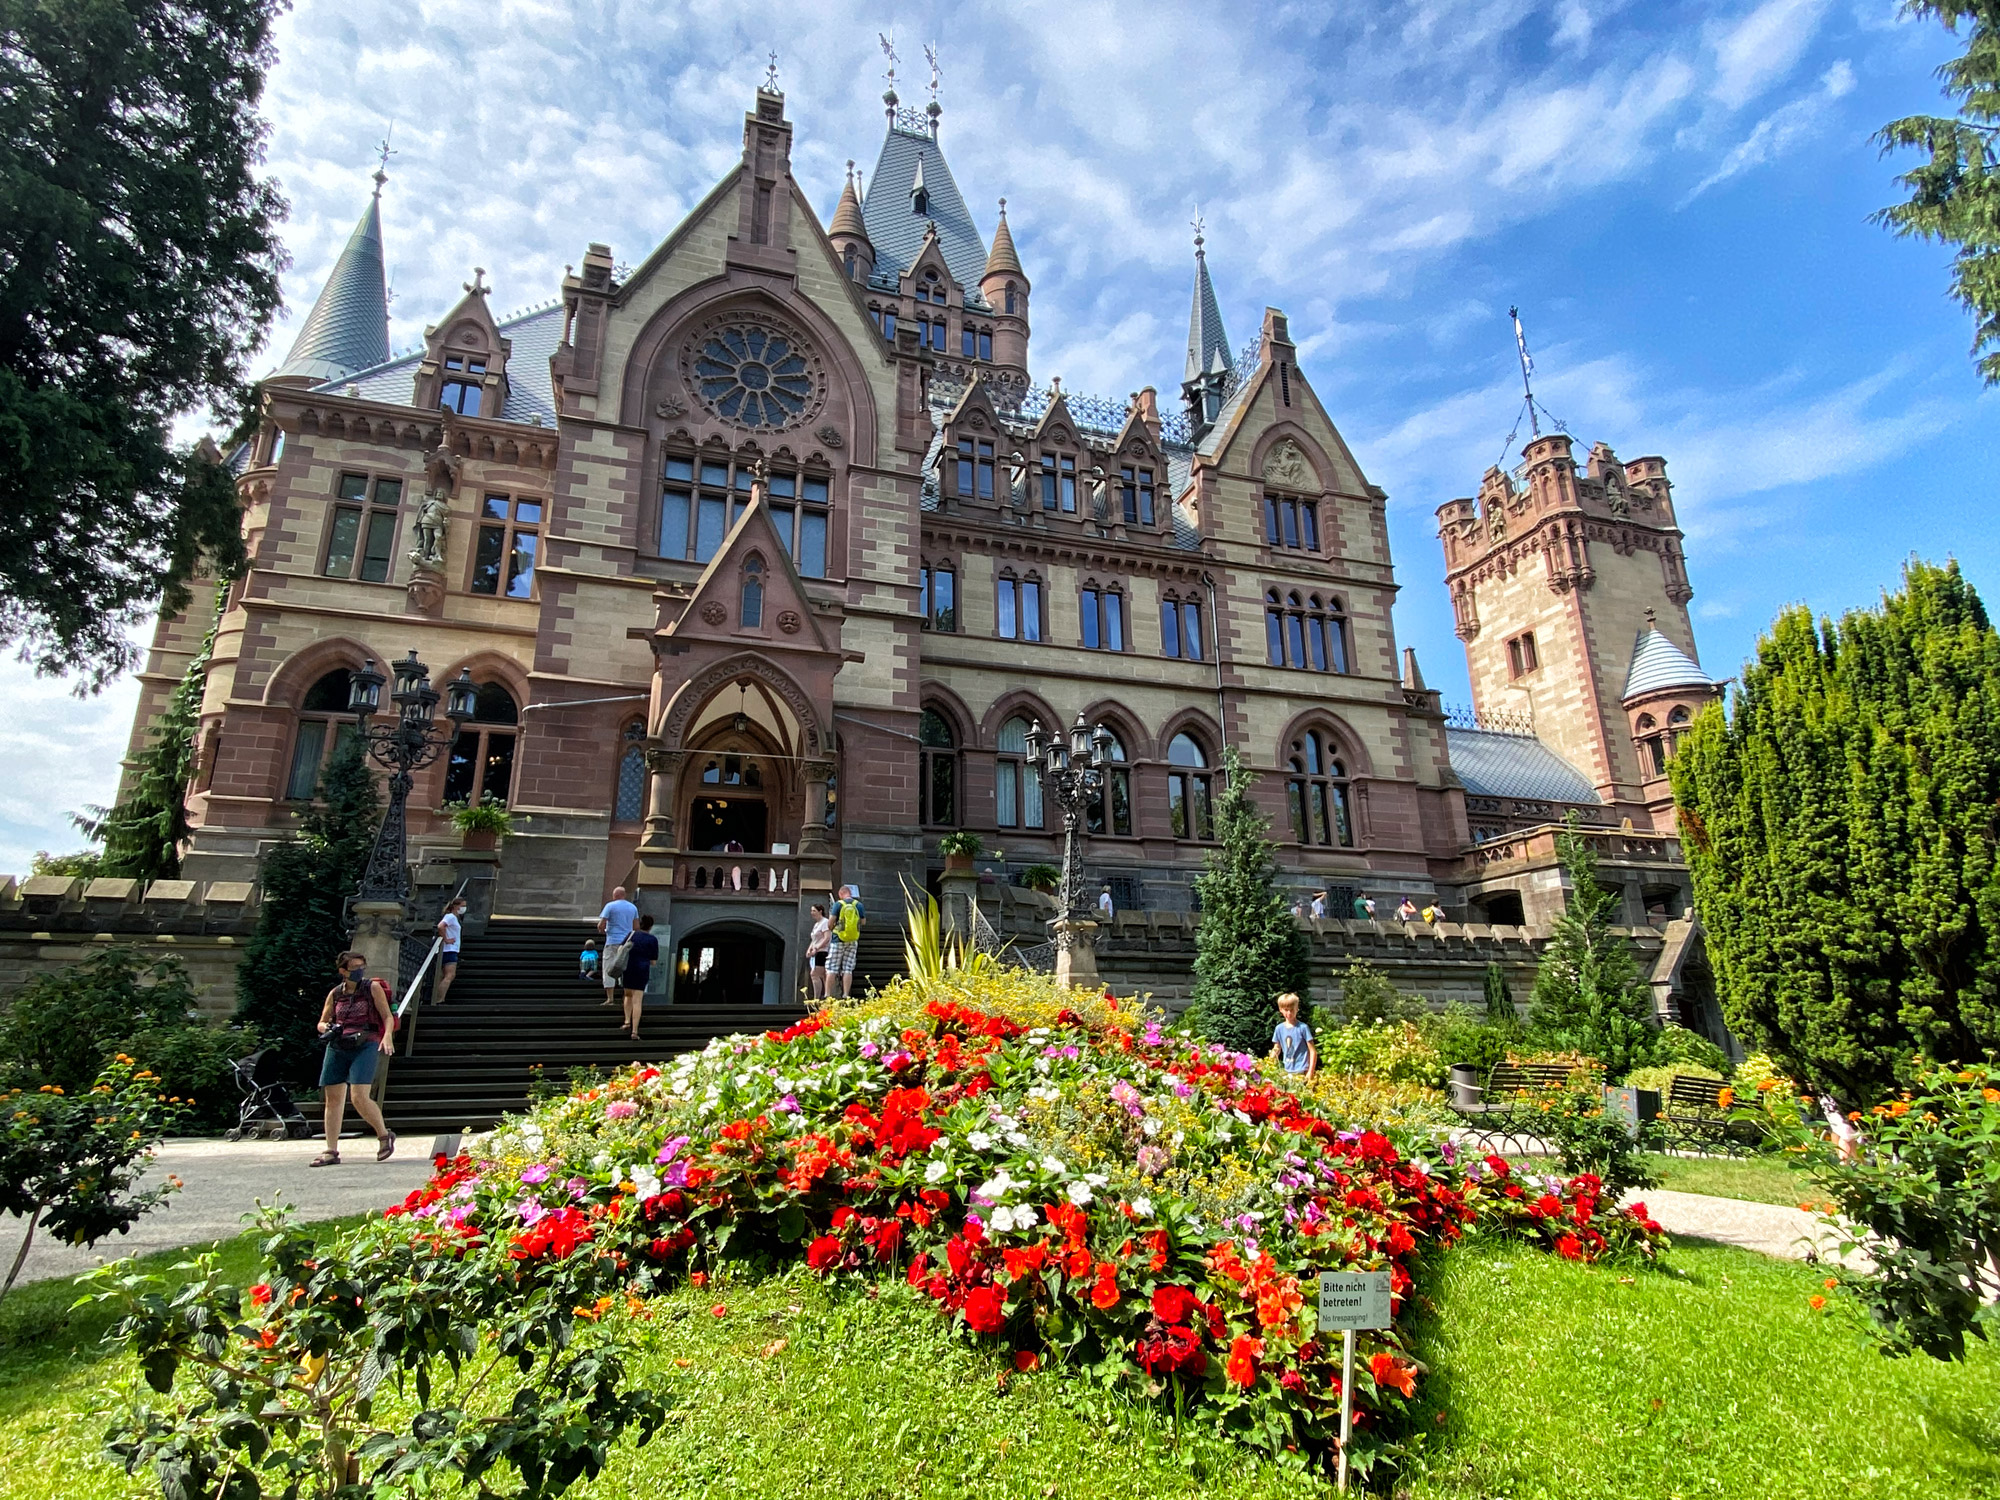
{"type": "Point", "coordinates": [518, 1003]}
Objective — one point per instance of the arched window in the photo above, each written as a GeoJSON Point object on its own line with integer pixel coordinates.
{"type": "Point", "coordinates": [481, 763]}
{"type": "Point", "coordinates": [750, 604]}
{"type": "Point", "coordinates": [1116, 797]}
{"type": "Point", "coordinates": [628, 803]}
{"type": "Point", "coordinates": [1189, 804]}
{"type": "Point", "coordinates": [1305, 631]}
{"type": "Point", "coordinates": [1010, 296]}
{"type": "Point", "coordinates": [1017, 785]}
{"type": "Point", "coordinates": [1316, 793]}
{"type": "Point", "coordinates": [324, 726]}
{"type": "Point", "coordinates": [937, 779]}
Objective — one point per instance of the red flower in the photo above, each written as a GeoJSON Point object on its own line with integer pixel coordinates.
{"type": "Point", "coordinates": [1548, 1206]}
{"type": "Point", "coordinates": [720, 1310]}
{"type": "Point", "coordinates": [698, 1279]}
{"type": "Point", "coordinates": [1244, 1353]}
{"type": "Point", "coordinates": [919, 1269]}
{"type": "Point", "coordinates": [985, 1309]}
{"type": "Point", "coordinates": [885, 1239]}
{"type": "Point", "coordinates": [1569, 1247]}
{"type": "Point", "coordinates": [1027, 1359]}
{"type": "Point", "coordinates": [824, 1253]}
{"type": "Point", "coordinates": [1024, 1263]}
{"type": "Point", "coordinates": [1104, 1294]}
{"type": "Point", "coordinates": [1392, 1375]}
{"type": "Point", "coordinates": [1401, 1241]}
{"type": "Point", "coordinates": [1172, 1303]}
{"type": "Point", "coordinates": [260, 1294]}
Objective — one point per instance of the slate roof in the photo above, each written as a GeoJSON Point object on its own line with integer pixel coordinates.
{"type": "Point", "coordinates": [896, 230]}
{"type": "Point", "coordinates": [535, 335]}
{"type": "Point", "coordinates": [1658, 663]}
{"type": "Point", "coordinates": [1206, 338]}
{"type": "Point", "coordinates": [348, 327]}
{"type": "Point", "coordinates": [1514, 765]}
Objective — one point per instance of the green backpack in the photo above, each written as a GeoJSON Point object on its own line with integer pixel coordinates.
{"type": "Point", "coordinates": [847, 921]}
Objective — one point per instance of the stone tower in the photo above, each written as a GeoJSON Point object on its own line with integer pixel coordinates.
{"type": "Point", "coordinates": [1570, 591]}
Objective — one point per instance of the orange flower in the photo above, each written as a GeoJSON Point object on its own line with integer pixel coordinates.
{"type": "Point", "coordinates": [1391, 1374]}
{"type": "Point", "coordinates": [1817, 1301]}
{"type": "Point", "coordinates": [1991, 1096]}
{"type": "Point", "coordinates": [1244, 1353]}
{"type": "Point", "coordinates": [1724, 1098]}
{"type": "Point", "coordinates": [1831, 1283]}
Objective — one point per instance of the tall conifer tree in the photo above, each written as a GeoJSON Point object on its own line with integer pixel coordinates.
{"type": "Point", "coordinates": [1248, 950]}
{"type": "Point", "coordinates": [1589, 993]}
{"type": "Point", "coordinates": [1840, 823]}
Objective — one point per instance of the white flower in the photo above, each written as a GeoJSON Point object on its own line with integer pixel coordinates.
{"type": "Point", "coordinates": [645, 1182]}
{"type": "Point", "coordinates": [1079, 1193]}
{"type": "Point", "coordinates": [1095, 1179]}
{"type": "Point", "coordinates": [601, 1161]}
{"type": "Point", "coordinates": [1143, 1207]}
{"type": "Point", "coordinates": [1023, 1217]}
{"type": "Point", "coordinates": [937, 1171]}
{"type": "Point", "coordinates": [979, 1140]}
{"type": "Point", "coordinates": [996, 1187]}
{"type": "Point", "coordinates": [1053, 1167]}
{"type": "Point", "coordinates": [1150, 1125]}
{"type": "Point", "coordinates": [743, 1080]}
{"type": "Point", "coordinates": [1017, 1139]}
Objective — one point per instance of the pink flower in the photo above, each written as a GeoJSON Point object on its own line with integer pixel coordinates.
{"type": "Point", "coordinates": [536, 1175]}
{"type": "Point", "coordinates": [620, 1109]}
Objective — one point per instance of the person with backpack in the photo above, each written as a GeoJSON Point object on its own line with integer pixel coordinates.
{"type": "Point", "coordinates": [845, 947]}
{"type": "Point", "coordinates": [358, 1026]}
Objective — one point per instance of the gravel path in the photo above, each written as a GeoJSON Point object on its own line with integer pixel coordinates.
{"type": "Point", "coordinates": [223, 1181]}
{"type": "Point", "coordinates": [1770, 1228]}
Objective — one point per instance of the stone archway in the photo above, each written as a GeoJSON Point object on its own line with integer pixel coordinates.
{"type": "Point", "coordinates": [731, 961]}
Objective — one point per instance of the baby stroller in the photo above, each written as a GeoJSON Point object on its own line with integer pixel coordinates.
{"type": "Point", "coordinates": [268, 1112]}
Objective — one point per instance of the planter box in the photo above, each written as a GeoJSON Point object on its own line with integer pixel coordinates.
{"type": "Point", "coordinates": [481, 839]}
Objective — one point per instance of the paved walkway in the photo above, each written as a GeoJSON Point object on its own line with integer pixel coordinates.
{"type": "Point", "coordinates": [1772, 1228]}
{"type": "Point", "coordinates": [223, 1181]}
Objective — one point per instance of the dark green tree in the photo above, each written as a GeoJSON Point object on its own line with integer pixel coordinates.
{"type": "Point", "coordinates": [1589, 994]}
{"type": "Point", "coordinates": [288, 964]}
{"type": "Point", "coordinates": [143, 834]}
{"type": "Point", "coordinates": [1840, 825]}
{"type": "Point", "coordinates": [139, 266]}
{"type": "Point", "coordinates": [1248, 950]}
{"type": "Point", "coordinates": [1955, 193]}
{"type": "Point", "coordinates": [1499, 998]}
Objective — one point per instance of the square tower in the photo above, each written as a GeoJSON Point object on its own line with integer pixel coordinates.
{"type": "Point", "coordinates": [1570, 591]}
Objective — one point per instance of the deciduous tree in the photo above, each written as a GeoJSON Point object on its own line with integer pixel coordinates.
{"type": "Point", "coordinates": [1841, 829]}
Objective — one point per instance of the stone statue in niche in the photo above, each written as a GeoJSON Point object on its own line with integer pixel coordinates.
{"type": "Point", "coordinates": [1287, 466]}
{"type": "Point", "coordinates": [428, 528]}
{"type": "Point", "coordinates": [1017, 480]}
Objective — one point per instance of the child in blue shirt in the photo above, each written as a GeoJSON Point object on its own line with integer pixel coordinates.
{"type": "Point", "coordinates": [1292, 1041]}
{"type": "Point", "coordinates": [586, 961]}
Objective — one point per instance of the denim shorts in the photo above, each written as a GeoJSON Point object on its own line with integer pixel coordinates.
{"type": "Point", "coordinates": [348, 1066]}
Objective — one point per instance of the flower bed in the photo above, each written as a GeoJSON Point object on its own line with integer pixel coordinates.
{"type": "Point", "coordinates": [1055, 1174]}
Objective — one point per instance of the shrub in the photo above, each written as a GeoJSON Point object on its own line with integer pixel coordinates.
{"type": "Point", "coordinates": [1367, 995]}
{"type": "Point", "coordinates": [1677, 1044]}
{"type": "Point", "coordinates": [1499, 998]}
{"type": "Point", "coordinates": [1248, 950]}
{"type": "Point", "coordinates": [63, 1028]}
{"type": "Point", "coordinates": [1589, 994]}
{"type": "Point", "coordinates": [1041, 878]}
{"type": "Point", "coordinates": [1392, 1051]}
{"type": "Point", "coordinates": [69, 1158]}
{"type": "Point", "coordinates": [1585, 1137]}
{"type": "Point", "coordinates": [1458, 1036]}
{"type": "Point", "coordinates": [1661, 1078]}
{"type": "Point", "coordinates": [1922, 1200]}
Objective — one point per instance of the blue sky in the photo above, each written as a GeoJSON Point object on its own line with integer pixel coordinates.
{"type": "Point", "coordinates": [1677, 195]}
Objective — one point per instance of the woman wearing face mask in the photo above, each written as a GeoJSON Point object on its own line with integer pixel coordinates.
{"type": "Point", "coordinates": [358, 1027]}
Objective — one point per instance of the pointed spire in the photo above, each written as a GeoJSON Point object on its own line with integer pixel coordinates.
{"type": "Point", "coordinates": [847, 214]}
{"type": "Point", "coordinates": [348, 327]}
{"type": "Point", "coordinates": [1207, 342]}
{"type": "Point", "coordinates": [920, 196]}
{"type": "Point", "coordinates": [1003, 261]}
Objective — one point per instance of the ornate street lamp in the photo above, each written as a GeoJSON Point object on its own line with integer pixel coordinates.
{"type": "Point", "coordinates": [412, 741]}
{"type": "Point", "coordinates": [1072, 774]}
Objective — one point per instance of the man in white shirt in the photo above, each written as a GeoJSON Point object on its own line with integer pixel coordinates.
{"type": "Point", "coordinates": [1105, 906]}
{"type": "Point", "coordinates": [1318, 905]}
{"type": "Point", "coordinates": [448, 936]}
{"type": "Point", "coordinates": [616, 922]}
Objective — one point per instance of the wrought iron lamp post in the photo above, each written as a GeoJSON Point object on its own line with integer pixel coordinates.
{"type": "Point", "coordinates": [1072, 775]}
{"type": "Point", "coordinates": [407, 744]}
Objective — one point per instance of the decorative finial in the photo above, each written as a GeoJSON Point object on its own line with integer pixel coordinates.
{"type": "Point", "coordinates": [1003, 208]}
{"type": "Point", "coordinates": [1200, 228]}
{"type": "Point", "coordinates": [889, 51]}
{"type": "Point", "coordinates": [850, 171]}
{"type": "Point", "coordinates": [1651, 619]}
{"type": "Point", "coordinates": [771, 75]}
{"type": "Point", "coordinates": [383, 153]}
{"type": "Point", "coordinates": [477, 286]}
{"type": "Point", "coordinates": [930, 229]}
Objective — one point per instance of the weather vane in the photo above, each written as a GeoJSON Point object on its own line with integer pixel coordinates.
{"type": "Point", "coordinates": [1200, 227]}
{"type": "Point", "coordinates": [382, 155]}
{"type": "Point", "coordinates": [889, 51]}
{"type": "Point", "coordinates": [930, 56]}
{"type": "Point", "coordinates": [771, 75]}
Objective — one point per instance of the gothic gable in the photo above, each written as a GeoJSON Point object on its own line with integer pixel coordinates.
{"type": "Point", "coordinates": [750, 595]}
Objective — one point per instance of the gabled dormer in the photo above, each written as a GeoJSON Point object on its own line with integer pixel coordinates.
{"type": "Point", "coordinates": [976, 451]}
{"type": "Point", "coordinates": [932, 300]}
{"type": "Point", "coordinates": [750, 594]}
{"type": "Point", "coordinates": [464, 369]}
{"type": "Point", "coordinates": [1140, 501]}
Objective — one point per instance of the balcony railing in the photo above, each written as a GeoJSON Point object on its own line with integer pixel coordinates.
{"type": "Point", "coordinates": [745, 875]}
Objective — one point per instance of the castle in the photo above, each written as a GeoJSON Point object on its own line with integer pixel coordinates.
{"type": "Point", "coordinates": [767, 555]}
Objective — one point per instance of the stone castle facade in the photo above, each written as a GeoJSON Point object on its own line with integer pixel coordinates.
{"type": "Point", "coordinates": [766, 554]}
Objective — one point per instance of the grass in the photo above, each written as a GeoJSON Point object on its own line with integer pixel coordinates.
{"type": "Point", "coordinates": [1717, 1380]}
{"type": "Point", "coordinates": [1754, 1179]}
{"type": "Point", "coordinates": [1714, 1379]}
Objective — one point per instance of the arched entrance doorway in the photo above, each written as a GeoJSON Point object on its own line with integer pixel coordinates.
{"type": "Point", "coordinates": [730, 963]}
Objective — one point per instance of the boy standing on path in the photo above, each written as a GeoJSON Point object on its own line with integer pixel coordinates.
{"type": "Point", "coordinates": [845, 947]}
{"type": "Point", "coordinates": [1292, 1041]}
{"type": "Point", "coordinates": [616, 922]}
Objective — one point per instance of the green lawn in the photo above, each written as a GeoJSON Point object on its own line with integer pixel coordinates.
{"type": "Point", "coordinates": [1757, 1179]}
{"type": "Point", "coordinates": [1713, 1380]}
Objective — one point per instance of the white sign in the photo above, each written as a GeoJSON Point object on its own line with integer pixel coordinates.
{"type": "Point", "coordinates": [1353, 1299]}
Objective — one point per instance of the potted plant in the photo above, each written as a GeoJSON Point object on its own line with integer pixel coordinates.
{"type": "Point", "coordinates": [1043, 878]}
{"type": "Point", "coordinates": [481, 823]}
{"type": "Point", "coordinates": [960, 849]}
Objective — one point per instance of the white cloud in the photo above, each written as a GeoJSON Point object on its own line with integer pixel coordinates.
{"type": "Point", "coordinates": [64, 753]}
{"type": "Point", "coordinates": [1781, 130]}
{"type": "Point", "coordinates": [1762, 47]}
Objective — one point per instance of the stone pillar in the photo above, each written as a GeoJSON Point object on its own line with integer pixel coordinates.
{"type": "Point", "coordinates": [378, 936]}
{"type": "Point", "coordinates": [812, 831]}
{"type": "Point", "coordinates": [959, 889]}
{"type": "Point", "coordinates": [1076, 952]}
{"type": "Point", "coordinates": [664, 767]}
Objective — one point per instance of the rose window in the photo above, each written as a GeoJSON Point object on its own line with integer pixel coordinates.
{"type": "Point", "coordinates": [753, 376]}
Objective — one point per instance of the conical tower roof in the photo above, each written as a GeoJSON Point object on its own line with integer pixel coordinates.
{"type": "Point", "coordinates": [348, 327]}
{"type": "Point", "coordinates": [911, 160]}
{"type": "Point", "coordinates": [1002, 260]}
{"type": "Point", "coordinates": [847, 215]}
{"type": "Point", "coordinates": [1657, 664]}
{"type": "Point", "coordinates": [1206, 340]}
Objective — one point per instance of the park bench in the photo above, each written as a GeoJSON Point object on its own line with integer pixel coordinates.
{"type": "Point", "coordinates": [1693, 1116]}
{"type": "Point", "coordinates": [1498, 1105]}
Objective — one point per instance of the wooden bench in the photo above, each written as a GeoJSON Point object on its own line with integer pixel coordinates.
{"type": "Point", "coordinates": [1508, 1080]}
{"type": "Point", "coordinates": [1694, 1115]}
